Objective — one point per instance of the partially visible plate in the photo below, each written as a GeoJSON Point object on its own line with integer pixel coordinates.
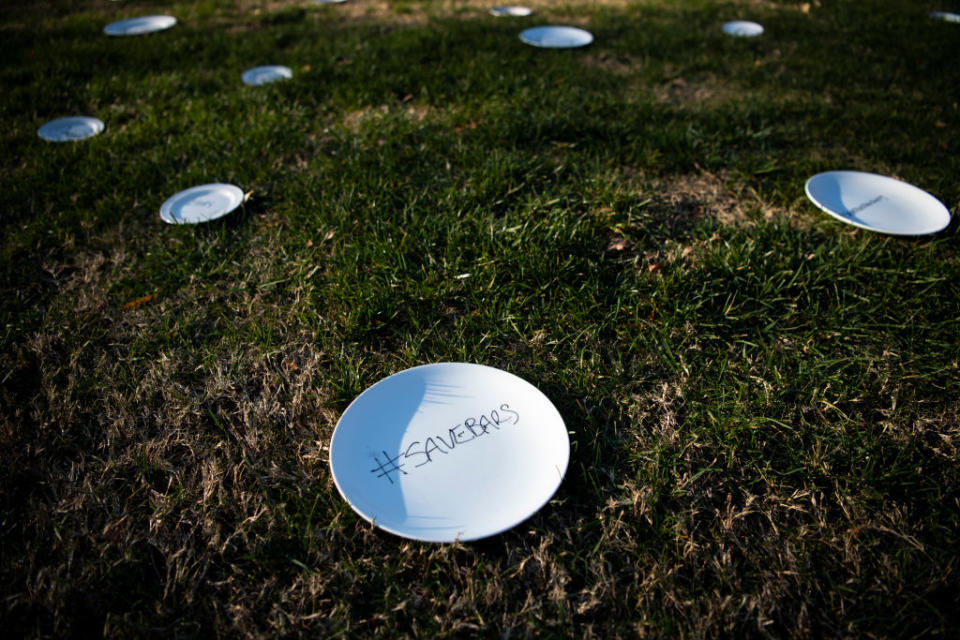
{"type": "Point", "coordinates": [945, 16]}
{"type": "Point", "coordinates": [449, 451]}
{"type": "Point", "coordinates": [202, 203]}
{"type": "Point", "coordinates": [877, 203]}
{"type": "Point", "coordinates": [139, 26]}
{"type": "Point", "coordinates": [511, 11]}
{"type": "Point", "coordinates": [556, 37]}
{"type": "Point", "coordinates": [70, 129]}
{"type": "Point", "coordinates": [742, 29]}
{"type": "Point", "coordinates": [266, 74]}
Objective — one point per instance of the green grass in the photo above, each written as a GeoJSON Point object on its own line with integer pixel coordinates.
{"type": "Point", "coordinates": [763, 402]}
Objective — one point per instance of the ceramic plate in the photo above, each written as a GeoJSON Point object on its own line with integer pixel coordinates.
{"type": "Point", "coordinates": [742, 29]}
{"type": "Point", "coordinates": [139, 26]}
{"type": "Point", "coordinates": [69, 129]}
{"type": "Point", "coordinates": [449, 451]}
{"type": "Point", "coordinates": [554, 37]}
{"type": "Point", "coordinates": [878, 203]}
{"type": "Point", "coordinates": [201, 204]}
{"type": "Point", "coordinates": [266, 74]}
{"type": "Point", "coordinates": [511, 12]}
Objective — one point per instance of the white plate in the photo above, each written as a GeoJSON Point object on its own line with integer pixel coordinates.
{"type": "Point", "coordinates": [878, 203]}
{"type": "Point", "coordinates": [69, 129]}
{"type": "Point", "coordinates": [139, 26]}
{"type": "Point", "coordinates": [742, 29]}
{"type": "Point", "coordinates": [946, 16]}
{"type": "Point", "coordinates": [203, 203]}
{"type": "Point", "coordinates": [554, 37]}
{"type": "Point", "coordinates": [449, 451]}
{"type": "Point", "coordinates": [511, 11]}
{"type": "Point", "coordinates": [266, 74]}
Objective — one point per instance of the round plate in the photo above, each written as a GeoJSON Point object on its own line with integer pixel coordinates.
{"type": "Point", "coordinates": [513, 11]}
{"type": "Point", "coordinates": [449, 451]}
{"type": "Point", "coordinates": [554, 37]}
{"type": "Point", "coordinates": [878, 203]}
{"type": "Point", "coordinates": [201, 204]}
{"type": "Point", "coordinates": [139, 26]}
{"type": "Point", "coordinates": [266, 74]}
{"type": "Point", "coordinates": [945, 15]}
{"type": "Point", "coordinates": [70, 129]}
{"type": "Point", "coordinates": [742, 29]}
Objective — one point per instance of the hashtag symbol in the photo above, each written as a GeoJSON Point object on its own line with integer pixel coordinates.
{"type": "Point", "coordinates": [388, 467]}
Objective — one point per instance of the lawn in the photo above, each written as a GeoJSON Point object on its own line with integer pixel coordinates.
{"type": "Point", "coordinates": [763, 403]}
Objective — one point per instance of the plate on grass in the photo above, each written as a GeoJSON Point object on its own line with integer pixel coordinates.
{"type": "Point", "coordinates": [449, 451]}
{"type": "Point", "coordinates": [70, 129]}
{"type": "Point", "coordinates": [511, 11]}
{"type": "Point", "coordinates": [266, 74]}
{"type": "Point", "coordinates": [946, 16]}
{"type": "Point", "coordinates": [877, 203]}
{"type": "Point", "coordinates": [742, 29]}
{"type": "Point", "coordinates": [139, 26]}
{"type": "Point", "coordinates": [556, 37]}
{"type": "Point", "coordinates": [202, 203]}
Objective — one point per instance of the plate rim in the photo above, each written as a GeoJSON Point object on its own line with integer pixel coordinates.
{"type": "Point", "coordinates": [498, 531]}
{"type": "Point", "coordinates": [883, 178]}
{"type": "Point", "coordinates": [167, 205]}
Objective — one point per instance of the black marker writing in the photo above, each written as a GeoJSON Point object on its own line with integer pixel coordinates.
{"type": "Point", "coordinates": [506, 408]}
{"type": "Point", "coordinates": [388, 467]}
{"type": "Point", "coordinates": [423, 452]}
{"type": "Point", "coordinates": [860, 207]}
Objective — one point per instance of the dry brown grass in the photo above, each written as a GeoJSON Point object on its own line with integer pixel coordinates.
{"type": "Point", "coordinates": [416, 13]}
{"type": "Point", "coordinates": [691, 93]}
{"type": "Point", "coordinates": [203, 486]}
{"type": "Point", "coordinates": [611, 63]}
{"type": "Point", "coordinates": [354, 121]}
{"type": "Point", "coordinates": [682, 201]}
{"type": "Point", "coordinates": [164, 482]}
{"type": "Point", "coordinates": [718, 196]}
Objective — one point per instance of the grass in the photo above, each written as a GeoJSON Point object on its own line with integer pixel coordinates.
{"type": "Point", "coordinates": [763, 402]}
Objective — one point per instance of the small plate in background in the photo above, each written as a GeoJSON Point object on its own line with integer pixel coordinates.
{"type": "Point", "coordinates": [70, 129]}
{"type": "Point", "coordinates": [556, 37]}
{"type": "Point", "coordinates": [266, 74]}
{"type": "Point", "coordinates": [511, 11]}
{"type": "Point", "coordinates": [742, 29]}
{"type": "Point", "coordinates": [139, 26]}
